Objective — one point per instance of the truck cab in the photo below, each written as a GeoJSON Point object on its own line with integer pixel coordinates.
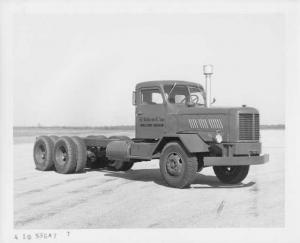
{"type": "Point", "coordinates": [158, 104]}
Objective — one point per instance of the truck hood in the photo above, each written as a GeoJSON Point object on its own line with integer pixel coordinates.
{"type": "Point", "coordinates": [215, 110]}
{"type": "Point", "coordinates": [208, 121]}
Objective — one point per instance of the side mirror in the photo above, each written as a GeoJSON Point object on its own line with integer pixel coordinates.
{"type": "Point", "coordinates": [213, 101]}
{"type": "Point", "coordinates": [133, 98]}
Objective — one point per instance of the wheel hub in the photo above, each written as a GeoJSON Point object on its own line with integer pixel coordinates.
{"type": "Point", "coordinates": [174, 164]}
{"type": "Point", "coordinates": [61, 155]}
{"type": "Point", "coordinates": [64, 157]}
{"type": "Point", "coordinates": [228, 170]}
{"type": "Point", "coordinates": [41, 153]}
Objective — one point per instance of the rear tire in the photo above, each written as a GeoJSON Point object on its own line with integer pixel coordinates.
{"type": "Point", "coordinates": [43, 153]}
{"type": "Point", "coordinates": [96, 137]}
{"type": "Point", "coordinates": [54, 138]}
{"type": "Point", "coordinates": [65, 155]}
{"type": "Point", "coordinates": [231, 174]}
{"type": "Point", "coordinates": [126, 166]}
{"type": "Point", "coordinates": [120, 165]}
{"type": "Point", "coordinates": [178, 167]}
{"type": "Point", "coordinates": [120, 137]}
{"type": "Point", "coordinates": [81, 153]}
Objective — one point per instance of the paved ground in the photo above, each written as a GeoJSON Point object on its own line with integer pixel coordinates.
{"type": "Point", "coordinates": [139, 197]}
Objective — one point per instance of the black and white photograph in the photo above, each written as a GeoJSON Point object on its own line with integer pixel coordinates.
{"type": "Point", "coordinates": [149, 121]}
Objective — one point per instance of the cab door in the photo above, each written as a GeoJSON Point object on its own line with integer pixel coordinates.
{"type": "Point", "coordinates": [150, 113]}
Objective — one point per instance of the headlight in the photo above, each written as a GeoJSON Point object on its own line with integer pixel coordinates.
{"type": "Point", "coordinates": [218, 138]}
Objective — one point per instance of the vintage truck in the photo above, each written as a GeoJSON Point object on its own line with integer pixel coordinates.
{"type": "Point", "coordinates": [174, 123]}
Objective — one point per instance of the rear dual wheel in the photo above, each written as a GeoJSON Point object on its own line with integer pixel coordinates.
{"type": "Point", "coordinates": [43, 153]}
{"type": "Point", "coordinates": [70, 155]}
{"type": "Point", "coordinates": [81, 154]}
{"type": "Point", "coordinates": [64, 155]}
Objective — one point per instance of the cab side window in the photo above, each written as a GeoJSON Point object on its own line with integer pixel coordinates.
{"type": "Point", "coordinates": [151, 96]}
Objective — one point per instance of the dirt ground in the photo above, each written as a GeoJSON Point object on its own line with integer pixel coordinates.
{"type": "Point", "coordinates": [139, 198]}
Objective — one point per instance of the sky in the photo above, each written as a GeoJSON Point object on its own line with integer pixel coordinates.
{"type": "Point", "coordinates": [81, 69]}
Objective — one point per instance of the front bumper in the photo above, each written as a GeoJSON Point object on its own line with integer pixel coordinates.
{"type": "Point", "coordinates": [235, 161]}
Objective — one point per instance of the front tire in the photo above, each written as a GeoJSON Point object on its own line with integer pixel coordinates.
{"type": "Point", "coordinates": [177, 167]}
{"type": "Point", "coordinates": [231, 174]}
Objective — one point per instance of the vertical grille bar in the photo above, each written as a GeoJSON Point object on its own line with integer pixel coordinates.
{"type": "Point", "coordinates": [248, 126]}
{"type": "Point", "coordinates": [256, 127]}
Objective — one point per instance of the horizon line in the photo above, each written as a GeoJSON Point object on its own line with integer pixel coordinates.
{"type": "Point", "coordinates": [117, 126]}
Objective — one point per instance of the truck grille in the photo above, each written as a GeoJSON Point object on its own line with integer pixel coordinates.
{"type": "Point", "coordinates": [248, 126]}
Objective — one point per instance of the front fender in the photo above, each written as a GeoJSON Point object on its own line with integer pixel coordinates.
{"type": "Point", "coordinates": [193, 143]}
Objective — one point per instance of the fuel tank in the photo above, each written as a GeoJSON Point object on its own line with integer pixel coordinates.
{"type": "Point", "coordinates": [119, 150]}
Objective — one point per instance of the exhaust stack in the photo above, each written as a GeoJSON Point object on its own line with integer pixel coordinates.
{"type": "Point", "coordinates": [208, 71]}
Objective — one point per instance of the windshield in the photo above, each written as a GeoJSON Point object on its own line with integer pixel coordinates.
{"type": "Point", "coordinates": [176, 94]}
{"type": "Point", "coordinates": [180, 94]}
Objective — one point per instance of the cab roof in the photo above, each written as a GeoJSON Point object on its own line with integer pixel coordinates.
{"type": "Point", "coordinates": [166, 82]}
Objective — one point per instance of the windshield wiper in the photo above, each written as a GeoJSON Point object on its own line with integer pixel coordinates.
{"type": "Point", "coordinates": [172, 88]}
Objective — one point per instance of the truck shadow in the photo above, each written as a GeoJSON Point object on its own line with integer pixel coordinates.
{"type": "Point", "coordinates": [146, 175]}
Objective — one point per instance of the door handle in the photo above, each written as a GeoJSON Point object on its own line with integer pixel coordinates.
{"type": "Point", "coordinates": [139, 113]}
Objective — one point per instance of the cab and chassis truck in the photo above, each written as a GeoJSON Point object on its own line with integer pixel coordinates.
{"type": "Point", "coordinates": [174, 123]}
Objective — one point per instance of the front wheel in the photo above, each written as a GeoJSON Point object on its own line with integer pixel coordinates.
{"type": "Point", "coordinates": [177, 167]}
{"type": "Point", "coordinates": [231, 174]}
